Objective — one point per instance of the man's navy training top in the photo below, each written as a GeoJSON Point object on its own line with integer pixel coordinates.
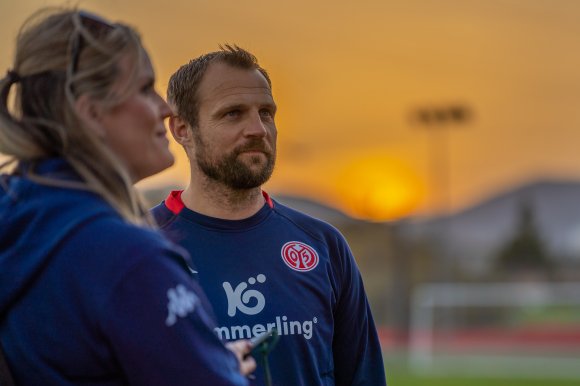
{"type": "Point", "coordinates": [281, 268]}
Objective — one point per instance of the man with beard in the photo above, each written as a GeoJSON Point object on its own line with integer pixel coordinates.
{"type": "Point", "coordinates": [263, 265]}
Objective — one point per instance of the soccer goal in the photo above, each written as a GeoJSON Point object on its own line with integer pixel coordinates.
{"type": "Point", "coordinates": [496, 329]}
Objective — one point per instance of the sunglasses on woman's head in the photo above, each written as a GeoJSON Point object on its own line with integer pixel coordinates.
{"type": "Point", "coordinates": [96, 26]}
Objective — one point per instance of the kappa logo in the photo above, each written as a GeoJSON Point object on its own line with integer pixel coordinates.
{"type": "Point", "coordinates": [240, 297]}
{"type": "Point", "coordinates": [181, 302]}
{"type": "Point", "coordinates": [299, 256]}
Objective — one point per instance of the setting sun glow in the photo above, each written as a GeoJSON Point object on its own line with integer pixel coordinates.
{"type": "Point", "coordinates": [379, 188]}
{"type": "Point", "coordinates": [353, 77]}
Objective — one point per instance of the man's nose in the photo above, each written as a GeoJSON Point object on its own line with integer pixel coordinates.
{"type": "Point", "coordinates": [255, 126]}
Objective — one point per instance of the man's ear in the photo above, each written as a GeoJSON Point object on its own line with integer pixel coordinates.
{"type": "Point", "coordinates": [90, 113]}
{"type": "Point", "coordinates": [181, 131]}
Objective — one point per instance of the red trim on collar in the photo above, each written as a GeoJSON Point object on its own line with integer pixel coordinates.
{"type": "Point", "coordinates": [268, 199]}
{"type": "Point", "coordinates": [173, 201]}
{"type": "Point", "coordinates": [175, 204]}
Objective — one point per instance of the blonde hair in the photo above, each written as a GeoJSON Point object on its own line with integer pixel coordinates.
{"type": "Point", "coordinates": [42, 121]}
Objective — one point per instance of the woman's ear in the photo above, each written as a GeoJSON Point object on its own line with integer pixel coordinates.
{"type": "Point", "coordinates": [90, 113]}
{"type": "Point", "coordinates": [180, 130]}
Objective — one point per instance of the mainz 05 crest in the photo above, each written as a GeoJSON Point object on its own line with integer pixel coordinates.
{"type": "Point", "coordinates": [299, 256]}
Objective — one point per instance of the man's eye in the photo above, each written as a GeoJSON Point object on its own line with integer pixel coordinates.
{"type": "Point", "coordinates": [266, 113]}
{"type": "Point", "coordinates": [233, 113]}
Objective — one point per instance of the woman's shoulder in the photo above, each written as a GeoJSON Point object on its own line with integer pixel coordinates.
{"type": "Point", "coordinates": [109, 248]}
{"type": "Point", "coordinates": [110, 232]}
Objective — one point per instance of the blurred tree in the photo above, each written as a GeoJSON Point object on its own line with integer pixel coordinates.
{"type": "Point", "coordinates": [525, 250]}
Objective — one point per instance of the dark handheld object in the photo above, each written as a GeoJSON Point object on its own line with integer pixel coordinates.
{"type": "Point", "coordinates": [264, 343]}
{"type": "Point", "coordinates": [261, 346]}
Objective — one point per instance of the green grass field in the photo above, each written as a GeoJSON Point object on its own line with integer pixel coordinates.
{"type": "Point", "coordinates": [399, 375]}
{"type": "Point", "coordinates": [396, 378]}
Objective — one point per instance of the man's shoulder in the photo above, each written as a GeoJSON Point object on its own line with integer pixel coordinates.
{"type": "Point", "coordinates": [159, 210]}
{"type": "Point", "coordinates": [308, 223]}
{"type": "Point", "coordinates": [161, 214]}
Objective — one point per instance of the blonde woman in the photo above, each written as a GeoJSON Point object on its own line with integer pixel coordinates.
{"type": "Point", "coordinates": [89, 292]}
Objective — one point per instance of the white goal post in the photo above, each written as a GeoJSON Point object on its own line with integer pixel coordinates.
{"type": "Point", "coordinates": [423, 356]}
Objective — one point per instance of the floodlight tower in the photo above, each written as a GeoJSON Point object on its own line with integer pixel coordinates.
{"type": "Point", "coordinates": [438, 121]}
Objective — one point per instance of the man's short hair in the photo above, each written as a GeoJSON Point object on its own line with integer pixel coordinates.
{"type": "Point", "coordinates": [184, 83]}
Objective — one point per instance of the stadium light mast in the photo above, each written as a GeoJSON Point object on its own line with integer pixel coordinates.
{"type": "Point", "coordinates": [438, 120]}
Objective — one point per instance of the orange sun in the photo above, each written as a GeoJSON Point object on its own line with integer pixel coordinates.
{"type": "Point", "coordinates": [379, 188]}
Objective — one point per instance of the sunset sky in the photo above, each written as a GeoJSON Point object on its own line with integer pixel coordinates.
{"type": "Point", "coordinates": [348, 78]}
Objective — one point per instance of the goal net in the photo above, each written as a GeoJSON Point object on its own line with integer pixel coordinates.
{"type": "Point", "coordinates": [496, 329]}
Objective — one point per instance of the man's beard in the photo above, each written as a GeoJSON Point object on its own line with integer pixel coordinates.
{"type": "Point", "coordinates": [231, 171]}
